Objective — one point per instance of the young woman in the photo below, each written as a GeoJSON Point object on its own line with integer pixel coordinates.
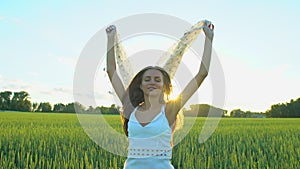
{"type": "Point", "coordinates": [148, 115]}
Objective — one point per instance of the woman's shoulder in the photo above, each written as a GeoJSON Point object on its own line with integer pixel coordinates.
{"type": "Point", "coordinates": [172, 105]}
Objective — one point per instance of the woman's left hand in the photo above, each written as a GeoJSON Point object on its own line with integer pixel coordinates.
{"type": "Point", "coordinates": [209, 30]}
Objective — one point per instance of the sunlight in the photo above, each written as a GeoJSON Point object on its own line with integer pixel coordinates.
{"type": "Point", "coordinates": [175, 90]}
{"type": "Point", "coordinates": [173, 96]}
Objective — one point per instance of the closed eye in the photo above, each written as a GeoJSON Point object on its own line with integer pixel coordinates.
{"type": "Point", "coordinates": [147, 79]}
{"type": "Point", "coordinates": [157, 79]}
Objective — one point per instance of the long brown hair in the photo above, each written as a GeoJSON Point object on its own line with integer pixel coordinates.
{"type": "Point", "coordinates": [134, 96]}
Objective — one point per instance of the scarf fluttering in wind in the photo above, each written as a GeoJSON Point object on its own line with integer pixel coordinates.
{"type": "Point", "coordinates": [170, 60]}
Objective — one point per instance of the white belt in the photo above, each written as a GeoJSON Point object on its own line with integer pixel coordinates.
{"type": "Point", "coordinates": [149, 147]}
{"type": "Point", "coordinates": [162, 153]}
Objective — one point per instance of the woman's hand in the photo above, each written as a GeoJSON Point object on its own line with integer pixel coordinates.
{"type": "Point", "coordinates": [209, 30]}
{"type": "Point", "coordinates": [111, 31]}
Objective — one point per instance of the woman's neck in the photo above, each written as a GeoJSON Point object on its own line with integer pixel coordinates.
{"type": "Point", "coordinates": [151, 102]}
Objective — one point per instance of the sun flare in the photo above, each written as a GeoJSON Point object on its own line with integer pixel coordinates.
{"type": "Point", "coordinates": [175, 90]}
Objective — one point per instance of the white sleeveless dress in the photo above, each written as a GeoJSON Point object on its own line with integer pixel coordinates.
{"type": "Point", "coordinates": [150, 145]}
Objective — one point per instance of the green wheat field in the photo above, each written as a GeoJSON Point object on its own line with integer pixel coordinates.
{"type": "Point", "coordinates": [41, 140]}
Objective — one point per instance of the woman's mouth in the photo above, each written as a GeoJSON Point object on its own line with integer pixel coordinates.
{"type": "Point", "coordinates": [151, 88]}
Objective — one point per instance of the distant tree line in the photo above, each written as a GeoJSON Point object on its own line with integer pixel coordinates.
{"type": "Point", "coordinates": [204, 110]}
{"type": "Point", "coordinates": [20, 101]}
{"type": "Point", "coordinates": [291, 109]}
{"type": "Point", "coordinates": [246, 114]}
{"type": "Point", "coordinates": [281, 110]}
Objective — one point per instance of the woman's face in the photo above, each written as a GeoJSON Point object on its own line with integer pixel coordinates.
{"type": "Point", "coordinates": [152, 83]}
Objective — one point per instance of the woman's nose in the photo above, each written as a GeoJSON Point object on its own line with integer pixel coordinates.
{"type": "Point", "coordinates": [153, 81]}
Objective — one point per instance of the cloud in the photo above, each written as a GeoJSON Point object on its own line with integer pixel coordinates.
{"type": "Point", "coordinates": [33, 74]}
{"type": "Point", "coordinates": [38, 91]}
{"type": "Point", "coordinates": [14, 84]}
{"type": "Point", "coordinates": [63, 90]}
{"type": "Point", "coordinates": [87, 98]}
{"type": "Point", "coordinates": [45, 92]}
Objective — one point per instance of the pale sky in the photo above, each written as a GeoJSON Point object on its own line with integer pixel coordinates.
{"type": "Point", "coordinates": [256, 42]}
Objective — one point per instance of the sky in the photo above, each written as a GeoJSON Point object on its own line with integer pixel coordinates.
{"type": "Point", "coordinates": [256, 42]}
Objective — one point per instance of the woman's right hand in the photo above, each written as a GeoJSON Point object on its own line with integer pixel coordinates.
{"type": "Point", "coordinates": [111, 31]}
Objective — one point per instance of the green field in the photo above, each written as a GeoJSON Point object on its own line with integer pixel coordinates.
{"type": "Point", "coordinates": [33, 140]}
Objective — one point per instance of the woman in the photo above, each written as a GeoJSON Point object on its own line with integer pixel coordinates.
{"type": "Point", "coordinates": [148, 115]}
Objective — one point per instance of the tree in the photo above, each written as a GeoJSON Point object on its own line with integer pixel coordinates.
{"type": "Point", "coordinates": [74, 108]}
{"type": "Point", "coordinates": [44, 107]}
{"type": "Point", "coordinates": [97, 110]}
{"type": "Point", "coordinates": [291, 109]}
{"type": "Point", "coordinates": [90, 109]}
{"type": "Point", "coordinates": [276, 110]}
{"type": "Point", "coordinates": [59, 107]}
{"type": "Point", "coordinates": [34, 106]}
{"type": "Point", "coordinates": [104, 110]}
{"type": "Point", "coordinates": [113, 109]}
{"type": "Point", "coordinates": [20, 101]}
{"type": "Point", "coordinates": [203, 110]}
{"type": "Point", "coordinates": [296, 108]}
{"type": "Point", "coordinates": [237, 113]}
{"type": "Point", "coordinates": [5, 100]}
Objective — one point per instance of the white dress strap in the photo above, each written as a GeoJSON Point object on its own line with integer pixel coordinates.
{"type": "Point", "coordinates": [132, 115]}
{"type": "Point", "coordinates": [163, 109]}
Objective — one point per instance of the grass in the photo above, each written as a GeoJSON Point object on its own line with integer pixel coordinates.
{"type": "Point", "coordinates": [41, 140]}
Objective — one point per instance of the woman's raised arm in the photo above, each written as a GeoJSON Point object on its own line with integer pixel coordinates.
{"type": "Point", "coordinates": [111, 62]}
{"type": "Point", "coordinates": [195, 83]}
